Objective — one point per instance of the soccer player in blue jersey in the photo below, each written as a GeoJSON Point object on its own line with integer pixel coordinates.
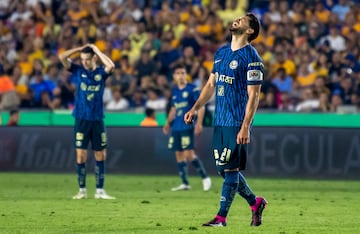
{"type": "Point", "coordinates": [89, 112]}
{"type": "Point", "coordinates": [236, 78]}
{"type": "Point", "coordinates": [183, 97]}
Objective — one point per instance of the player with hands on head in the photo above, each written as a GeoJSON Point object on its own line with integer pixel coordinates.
{"type": "Point", "coordinates": [236, 79]}
{"type": "Point", "coordinates": [181, 141]}
{"type": "Point", "coordinates": [89, 112]}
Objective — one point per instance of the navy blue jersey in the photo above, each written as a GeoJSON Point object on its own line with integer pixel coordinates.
{"type": "Point", "coordinates": [89, 92]}
{"type": "Point", "coordinates": [234, 71]}
{"type": "Point", "coordinates": [183, 100]}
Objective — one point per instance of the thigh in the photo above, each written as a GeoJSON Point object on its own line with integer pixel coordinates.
{"type": "Point", "coordinates": [82, 133]}
{"type": "Point", "coordinates": [98, 136]}
{"type": "Point", "coordinates": [228, 154]}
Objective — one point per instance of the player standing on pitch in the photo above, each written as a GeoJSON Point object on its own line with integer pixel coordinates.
{"type": "Point", "coordinates": [236, 78]}
{"type": "Point", "coordinates": [183, 96]}
{"type": "Point", "coordinates": [89, 112]}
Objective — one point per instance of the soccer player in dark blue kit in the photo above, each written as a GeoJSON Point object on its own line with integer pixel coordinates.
{"type": "Point", "coordinates": [236, 78]}
{"type": "Point", "coordinates": [89, 112]}
{"type": "Point", "coordinates": [183, 96]}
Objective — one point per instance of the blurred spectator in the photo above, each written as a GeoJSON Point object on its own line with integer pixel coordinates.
{"type": "Point", "coordinates": [118, 102]}
{"type": "Point", "coordinates": [283, 61]}
{"type": "Point", "coordinates": [309, 101]}
{"type": "Point", "coordinates": [305, 78]}
{"type": "Point", "coordinates": [269, 102]}
{"type": "Point", "coordinates": [341, 9]}
{"type": "Point", "coordinates": [64, 93]}
{"type": "Point", "coordinates": [43, 91]}
{"type": "Point", "coordinates": [14, 118]}
{"type": "Point", "coordinates": [286, 102]}
{"type": "Point", "coordinates": [155, 100]}
{"type": "Point", "coordinates": [337, 41]}
{"type": "Point", "coordinates": [8, 97]}
{"type": "Point", "coordinates": [137, 100]}
{"type": "Point", "coordinates": [150, 118]}
{"type": "Point", "coordinates": [282, 81]}
{"type": "Point", "coordinates": [145, 66]}
{"type": "Point", "coordinates": [336, 101]}
{"type": "Point", "coordinates": [324, 104]}
{"type": "Point", "coordinates": [123, 80]}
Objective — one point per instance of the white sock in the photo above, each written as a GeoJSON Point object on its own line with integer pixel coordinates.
{"type": "Point", "coordinates": [83, 190]}
{"type": "Point", "coordinates": [99, 190]}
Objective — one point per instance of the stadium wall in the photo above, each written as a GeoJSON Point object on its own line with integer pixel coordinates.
{"type": "Point", "coordinates": [289, 152]}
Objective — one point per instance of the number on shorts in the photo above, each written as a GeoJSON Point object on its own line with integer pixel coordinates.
{"type": "Point", "coordinates": [225, 155]}
{"type": "Point", "coordinates": [185, 141]}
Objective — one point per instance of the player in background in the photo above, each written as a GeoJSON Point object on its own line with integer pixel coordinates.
{"type": "Point", "coordinates": [89, 112]}
{"type": "Point", "coordinates": [183, 96]}
{"type": "Point", "coordinates": [236, 79]}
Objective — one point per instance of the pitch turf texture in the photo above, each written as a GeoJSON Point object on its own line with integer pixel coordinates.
{"type": "Point", "coordinates": [41, 203]}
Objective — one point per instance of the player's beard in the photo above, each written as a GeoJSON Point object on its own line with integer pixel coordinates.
{"type": "Point", "coordinates": [237, 31]}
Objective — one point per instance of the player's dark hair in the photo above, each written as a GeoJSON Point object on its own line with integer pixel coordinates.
{"type": "Point", "coordinates": [13, 112]}
{"type": "Point", "coordinates": [179, 66]}
{"type": "Point", "coordinates": [254, 24]}
{"type": "Point", "coordinates": [88, 50]}
{"type": "Point", "coordinates": [149, 112]}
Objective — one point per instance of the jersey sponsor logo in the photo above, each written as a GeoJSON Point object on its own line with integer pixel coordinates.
{"type": "Point", "coordinates": [254, 75]}
{"type": "Point", "coordinates": [223, 78]}
{"type": "Point", "coordinates": [85, 87]}
{"type": "Point", "coordinates": [185, 94]}
{"type": "Point", "coordinates": [180, 104]}
{"type": "Point", "coordinates": [233, 64]}
{"type": "Point", "coordinates": [217, 61]}
{"type": "Point", "coordinates": [256, 64]}
{"type": "Point", "coordinates": [97, 77]}
{"type": "Point", "coordinates": [83, 76]}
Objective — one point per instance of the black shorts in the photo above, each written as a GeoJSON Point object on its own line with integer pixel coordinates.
{"type": "Point", "coordinates": [228, 154]}
{"type": "Point", "coordinates": [86, 131]}
{"type": "Point", "coordinates": [181, 140]}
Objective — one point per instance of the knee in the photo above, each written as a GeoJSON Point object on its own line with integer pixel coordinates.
{"type": "Point", "coordinates": [81, 156]}
{"type": "Point", "coordinates": [100, 155]}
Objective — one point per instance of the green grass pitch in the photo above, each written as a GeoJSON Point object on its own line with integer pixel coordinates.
{"type": "Point", "coordinates": [41, 203]}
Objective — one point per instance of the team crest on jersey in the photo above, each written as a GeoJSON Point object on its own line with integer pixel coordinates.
{"type": "Point", "coordinates": [185, 94]}
{"type": "Point", "coordinates": [233, 64]}
{"type": "Point", "coordinates": [97, 77]}
{"type": "Point", "coordinates": [83, 86]}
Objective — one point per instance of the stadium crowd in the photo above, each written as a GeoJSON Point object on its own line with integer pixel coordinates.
{"type": "Point", "coordinates": [310, 50]}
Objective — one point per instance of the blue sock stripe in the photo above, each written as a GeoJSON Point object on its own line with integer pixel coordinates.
{"type": "Point", "coordinates": [197, 164]}
{"type": "Point", "coordinates": [99, 174]}
{"type": "Point", "coordinates": [245, 191]}
{"type": "Point", "coordinates": [81, 172]}
{"type": "Point", "coordinates": [182, 167]}
{"type": "Point", "coordinates": [228, 192]}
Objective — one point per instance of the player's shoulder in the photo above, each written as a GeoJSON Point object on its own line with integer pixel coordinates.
{"type": "Point", "coordinates": [192, 87]}
{"type": "Point", "coordinates": [75, 67]}
{"type": "Point", "coordinates": [99, 69]}
{"type": "Point", "coordinates": [251, 50]}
